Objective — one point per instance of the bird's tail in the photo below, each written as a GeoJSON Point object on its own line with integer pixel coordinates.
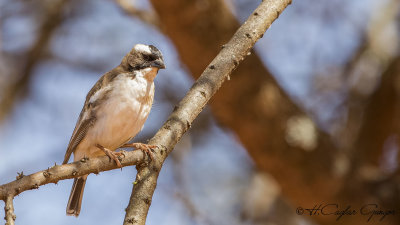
{"type": "Point", "coordinates": [75, 198]}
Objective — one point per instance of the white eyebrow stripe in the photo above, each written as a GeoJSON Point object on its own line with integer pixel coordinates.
{"type": "Point", "coordinates": [142, 48]}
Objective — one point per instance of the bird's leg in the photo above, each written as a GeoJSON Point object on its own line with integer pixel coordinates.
{"type": "Point", "coordinates": [145, 148]}
{"type": "Point", "coordinates": [111, 154]}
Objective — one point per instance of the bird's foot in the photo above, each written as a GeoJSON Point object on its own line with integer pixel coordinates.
{"type": "Point", "coordinates": [111, 154]}
{"type": "Point", "coordinates": [145, 148]}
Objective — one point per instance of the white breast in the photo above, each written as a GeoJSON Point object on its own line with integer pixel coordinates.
{"type": "Point", "coordinates": [122, 115]}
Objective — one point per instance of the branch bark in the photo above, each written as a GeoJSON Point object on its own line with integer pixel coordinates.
{"type": "Point", "coordinates": [9, 210]}
{"type": "Point", "coordinates": [67, 171]}
{"type": "Point", "coordinates": [195, 100]}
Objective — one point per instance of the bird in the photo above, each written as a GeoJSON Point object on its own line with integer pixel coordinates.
{"type": "Point", "coordinates": [114, 111]}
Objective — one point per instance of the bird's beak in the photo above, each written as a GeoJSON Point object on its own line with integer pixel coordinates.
{"type": "Point", "coordinates": [159, 63]}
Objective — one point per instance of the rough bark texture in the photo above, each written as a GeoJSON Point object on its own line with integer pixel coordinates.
{"type": "Point", "coordinates": [193, 103]}
{"type": "Point", "coordinates": [9, 211]}
{"type": "Point", "coordinates": [67, 171]}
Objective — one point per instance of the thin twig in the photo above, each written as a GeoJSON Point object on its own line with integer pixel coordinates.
{"type": "Point", "coordinates": [67, 171]}
{"type": "Point", "coordinates": [193, 103]}
{"type": "Point", "coordinates": [9, 211]}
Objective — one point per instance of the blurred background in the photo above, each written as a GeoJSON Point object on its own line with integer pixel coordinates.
{"type": "Point", "coordinates": [311, 117]}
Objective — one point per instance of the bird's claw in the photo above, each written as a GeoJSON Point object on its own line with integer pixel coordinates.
{"type": "Point", "coordinates": [112, 155]}
{"type": "Point", "coordinates": [145, 148]}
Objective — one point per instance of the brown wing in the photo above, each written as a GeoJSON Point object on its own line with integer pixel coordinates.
{"type": "Point", "coordinates": [83, 125]}
{"type": "Point", "coordinates": [81, 128]}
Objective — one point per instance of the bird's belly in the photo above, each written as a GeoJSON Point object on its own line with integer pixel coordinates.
{"type": "Point", "coordinates": [119, 117]}
{"type": "Point", "coordinates": [119, 122]}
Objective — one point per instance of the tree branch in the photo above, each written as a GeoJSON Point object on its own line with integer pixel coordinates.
{"type": "Point", "coordinates": [67, 171]}
{"type": "Point", "coordinates": [9, 210]}
{"type": "Point", "coordinates": [192, 104]}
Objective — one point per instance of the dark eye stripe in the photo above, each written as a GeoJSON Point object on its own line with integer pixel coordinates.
{"type": "Point", "coordinates": [149, 57]}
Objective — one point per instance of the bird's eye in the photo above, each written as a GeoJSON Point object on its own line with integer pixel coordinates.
{"type": "Point", "coordinates": [149, 57]}
{"type": "Point", "coordinates": [130, 68]}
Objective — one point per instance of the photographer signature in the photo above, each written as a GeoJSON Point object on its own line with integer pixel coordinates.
{"type": "Point", "coordinates": [368, 210]}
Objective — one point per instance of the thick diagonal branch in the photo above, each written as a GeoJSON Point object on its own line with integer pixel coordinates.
{"type": "Point", "coordinates": [193, 103]}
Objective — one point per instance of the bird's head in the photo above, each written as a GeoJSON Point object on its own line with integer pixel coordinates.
{"type": "Point", "coordinates": [142, 57]}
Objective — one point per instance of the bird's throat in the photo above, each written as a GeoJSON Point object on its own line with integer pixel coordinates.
{"type": "Point", "coordinates": [150, 73]}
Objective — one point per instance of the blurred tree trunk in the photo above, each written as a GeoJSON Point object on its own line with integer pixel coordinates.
{"type": "Point", "coordinates": [261, 114]}
{"type": "Point", "coordinates": [381, 117]}
{"type": "Point", "coordinates": [376, 143]}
